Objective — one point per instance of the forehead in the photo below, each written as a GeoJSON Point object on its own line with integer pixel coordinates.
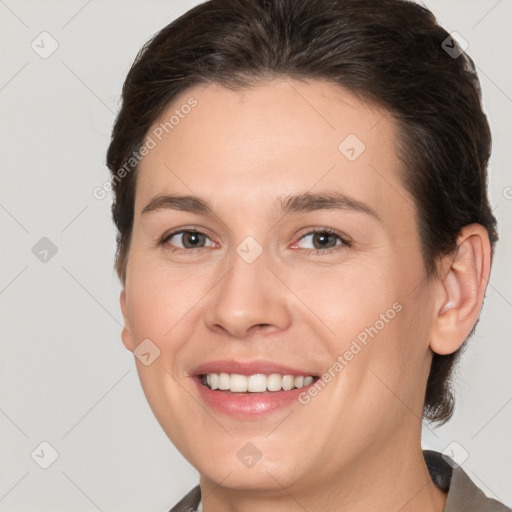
{"type": "Point", "coordinates": [245, 147]}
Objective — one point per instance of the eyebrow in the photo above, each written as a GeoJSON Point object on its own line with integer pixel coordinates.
{"type": "Point", "coordinates": [294, 203]}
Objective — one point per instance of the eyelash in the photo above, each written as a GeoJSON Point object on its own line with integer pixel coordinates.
{"type": "Point", "coordinates": [319, 252]}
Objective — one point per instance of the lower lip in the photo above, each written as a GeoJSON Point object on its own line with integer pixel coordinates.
{"type": "Point", "coordinates": [248, 404]}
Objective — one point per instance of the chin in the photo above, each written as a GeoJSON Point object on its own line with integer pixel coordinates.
{"type": "Point", "coordinates": [262, 478]}
{"type": "Point", "coordinates": [240, 464]}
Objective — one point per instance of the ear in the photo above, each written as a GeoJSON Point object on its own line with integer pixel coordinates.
{"type": "Point", "coordinates": [460, 289]}
{"type": "Point", "coordinates": [126, 334]}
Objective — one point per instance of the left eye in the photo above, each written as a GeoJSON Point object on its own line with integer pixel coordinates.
{"type": "Point", "coordinates": [324, 240]}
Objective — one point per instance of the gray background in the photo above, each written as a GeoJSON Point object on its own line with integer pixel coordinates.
{"type": "Point", "coordinates": [65, 377]}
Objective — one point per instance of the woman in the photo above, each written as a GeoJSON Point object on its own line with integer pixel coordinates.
{"type": "Point", "coordinates": [304, 244]}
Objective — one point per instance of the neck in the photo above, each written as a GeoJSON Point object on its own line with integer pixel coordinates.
{"type": "Point", "coordinates": [390, 479]}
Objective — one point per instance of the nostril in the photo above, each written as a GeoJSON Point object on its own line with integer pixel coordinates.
{"type": "Point", "coordinates": [260, 327]}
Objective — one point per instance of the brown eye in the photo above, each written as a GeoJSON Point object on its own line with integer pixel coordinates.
{"type": "Point", "coordinates": [324, 239]}
{"type": "Point", "coordinates": [187, 239]}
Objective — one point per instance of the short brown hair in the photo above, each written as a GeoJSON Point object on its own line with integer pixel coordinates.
{"type": "Point", "coordinates": [389, 52]}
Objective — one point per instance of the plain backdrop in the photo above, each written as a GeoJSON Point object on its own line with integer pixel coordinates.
{"type": "Point", "coordinates": [65, 378]}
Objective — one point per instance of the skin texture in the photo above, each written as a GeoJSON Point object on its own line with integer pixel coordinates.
{"type": "Point", "coordinates": [356, 445]}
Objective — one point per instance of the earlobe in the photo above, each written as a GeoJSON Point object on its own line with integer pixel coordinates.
{"type": "Point", "coordinates": [126, 335]}
{"type": "Point", "coordinates": [461, 289]}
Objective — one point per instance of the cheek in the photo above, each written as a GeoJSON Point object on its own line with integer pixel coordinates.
{"type": "Point", "coordinates": [162, 297]}
{"type": "Point", "coordinates": [393, 365]}
{"type": "Point", "coordinates": [376, 322]}
{"type": "Point", "coordinates": [347, 299]}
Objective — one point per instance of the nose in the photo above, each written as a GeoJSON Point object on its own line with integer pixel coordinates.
{"type": "Point", "coordinates": [248, 299]}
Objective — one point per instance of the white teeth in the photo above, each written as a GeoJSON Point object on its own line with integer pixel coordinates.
{"type": "Point", "coordinates": [223, 381]}
{"type": "Point", "coordinates": [299, 382]}
{"type": "Point", "coordinates": [238, 383]}
{"type": "Point", "coordinates": [274, 382]}
{"type": "Point", "coordinates": [257, 383]}
{"type": "Point", "coordinates": [288, 382]}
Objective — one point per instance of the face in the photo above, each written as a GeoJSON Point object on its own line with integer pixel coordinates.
{"type": "Point", "coordinates": [295, 254]}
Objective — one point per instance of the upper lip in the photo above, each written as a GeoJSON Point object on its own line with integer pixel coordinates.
{"type": "Point", "coordinates": [248, 368]}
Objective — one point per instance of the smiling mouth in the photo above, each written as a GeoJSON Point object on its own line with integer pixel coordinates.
{"type": "Point", "coordinates": [257, 383]}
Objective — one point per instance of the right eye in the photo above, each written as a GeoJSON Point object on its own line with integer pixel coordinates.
{"type": "Point", "coordinates": [185, 239]}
